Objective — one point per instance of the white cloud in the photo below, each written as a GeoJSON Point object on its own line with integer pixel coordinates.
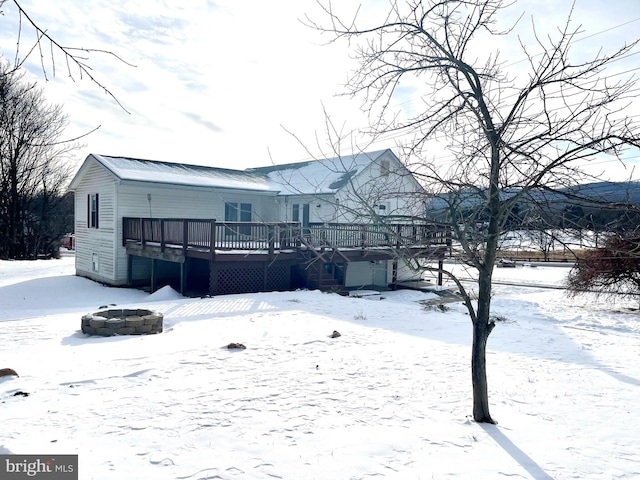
{"type": "Point", "coordinates": [218, 80]}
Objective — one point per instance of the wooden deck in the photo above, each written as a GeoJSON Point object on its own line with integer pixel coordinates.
{"type": "Point", "coordinates": [200, 237]}
{"type": "Point", "coordinates": [260, 256]}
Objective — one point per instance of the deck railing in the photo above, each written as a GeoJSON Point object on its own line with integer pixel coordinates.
{"type": "Point", "coordinates": [377, 235]}
{"type": "Point", "coordinates": [212, 235]}
{"type": "Point", "coordinates": [205, 234]}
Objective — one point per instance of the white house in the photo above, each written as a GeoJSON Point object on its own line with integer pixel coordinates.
{"type": "Point", "coordinates": [347, 189]}
{"type": "Point", "coordinates": [313, 224]}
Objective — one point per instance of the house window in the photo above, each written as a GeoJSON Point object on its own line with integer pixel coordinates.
{"type": "Point", "coordinates": [384, 168]}
{"type": "Point", "coordinates": [230, 212]}
{"type": "Point", "coordinates": [233, 214]}
{"type": "Point", "coordinates": [92, 210]}
{"type": "Point", "coordinates": [245, 212]}
{"type": "Point", "coordinates": [94, 262]}
{"type": "Point", "coordinates": [245, 216]}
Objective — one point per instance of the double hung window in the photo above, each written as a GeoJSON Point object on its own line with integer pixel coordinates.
{"type": "Point", "coordinates": [92, 210]}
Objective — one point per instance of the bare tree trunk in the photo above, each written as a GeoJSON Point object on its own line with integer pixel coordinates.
{"type": "Point", "coordinates": [481, 333]}
{"type": "Point", "coordinates": [482, 324]}
{"type": "Point", "coordinates": [482, 328]}
{"type": "Point", "coordinates": [13, 240]}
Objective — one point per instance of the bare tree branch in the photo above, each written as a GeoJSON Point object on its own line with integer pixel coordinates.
{"type": "Point", "coordinates": [509, 135]}
{"type": "Point", "coordinates": [76, 59]}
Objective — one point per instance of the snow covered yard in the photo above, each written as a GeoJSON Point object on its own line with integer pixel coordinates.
{"type": "Point", "coordinates": [389, 398]}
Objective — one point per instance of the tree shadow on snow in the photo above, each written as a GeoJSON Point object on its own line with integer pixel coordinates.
{"type": "Point", "coordinates": [536, 335]}
{"type": "Point", "coordinates": [525, 461]}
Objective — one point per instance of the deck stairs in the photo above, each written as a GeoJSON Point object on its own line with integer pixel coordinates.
{"type": "Point", "coordinates": [319, 267]}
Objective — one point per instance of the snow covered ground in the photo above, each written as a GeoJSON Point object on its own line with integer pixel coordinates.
{"type": "Point", "coordinates": [390, 398]}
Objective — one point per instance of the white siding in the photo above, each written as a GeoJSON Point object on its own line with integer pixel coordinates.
{"type": "Point", "coordinates": [173, 201]}
{"type": "Point", "coordinates": [394, 187]}
{"type": "Point", "coordinates": [369, 273]}
{"type": "Point", "coordinates": [99, 241]}
{"type": "Point", "coordinates": [405, 273]}
{"type": "Point", "coordinates": [322, 208]}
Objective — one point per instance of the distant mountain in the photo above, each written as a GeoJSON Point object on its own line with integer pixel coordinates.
{"type": "Point", "coordinates": [590, 205]}
{"type": "Point", "coordinates": [610, 192]}
{"type": "Point", "coordinates": [585, 194]}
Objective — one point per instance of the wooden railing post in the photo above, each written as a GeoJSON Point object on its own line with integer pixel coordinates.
{"type": "Point", "coordinates": [185, 236]}
{"type": "Point", "coordinates": [271, 232]}
{"type": "Point", "coordinates": [298, 235]}
{"type": "Point", "coordinates": [212, 239]}
{"type": "Point", "coordinates": [142, 231]}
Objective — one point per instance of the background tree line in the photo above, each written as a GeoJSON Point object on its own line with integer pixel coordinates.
{"type": "Point", "coordinates": [35, 211]}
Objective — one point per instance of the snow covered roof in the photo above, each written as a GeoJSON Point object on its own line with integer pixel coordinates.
{"type": "Point", "coordinates": [318, 176]}
{"type": "Point", "coordinates": [182, 174]}
{"type": "Point", "coordinates": [312, 177]}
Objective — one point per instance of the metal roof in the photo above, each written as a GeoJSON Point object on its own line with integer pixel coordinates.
{"type": "Point", "coordinates": [326, 175]}
{"type": "Point", "coordinates": [312, 177]}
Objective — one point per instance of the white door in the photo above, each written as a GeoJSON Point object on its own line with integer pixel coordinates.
{"type": "Point", "coordinates": [380, 272]}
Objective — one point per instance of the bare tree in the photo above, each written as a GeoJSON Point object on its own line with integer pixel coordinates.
{"type": "Point", "coordinates": [503, 132]}
{"type": "Point", "coordinates": [611, 270]}
{"type": "Point", "coordinates": [75, 61]}
{"type": "Point", "coordinates": [33, 173]}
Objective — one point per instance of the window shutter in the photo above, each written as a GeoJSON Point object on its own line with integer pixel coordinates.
{"type": "Point", "coordinates": [89, 211]}
{"type": "Point", "coordinates": [97, 209]}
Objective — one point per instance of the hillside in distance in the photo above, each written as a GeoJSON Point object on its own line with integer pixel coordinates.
{"type": "Point", "coordinates": [598, 204]}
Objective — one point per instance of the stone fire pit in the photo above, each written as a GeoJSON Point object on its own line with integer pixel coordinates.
{"type": "Point", "coordinates": [122, 321]}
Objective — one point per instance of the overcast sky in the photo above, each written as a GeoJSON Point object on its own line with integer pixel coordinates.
{"type": "Point", "coordinates": [215, 81]}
